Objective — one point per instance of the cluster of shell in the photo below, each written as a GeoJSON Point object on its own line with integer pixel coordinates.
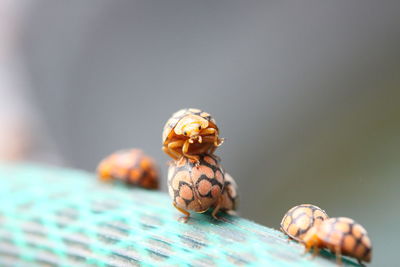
{"type": "Point", "coordinates": [198, 182]}
{"type": "Point", "coordinates": [196, 179]}
{"type": "Point", "coordinates": [311, 226]}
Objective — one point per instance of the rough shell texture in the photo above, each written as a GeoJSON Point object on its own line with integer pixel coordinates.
{"type": "Point", "coordinates": [229, 194]}
{"type": "Point", "coordinates": [195, 187]}
{"type": "Point", "coordinates": [299, 219]}
{"type": "Point", "coordinates": [345, 233]}
{"type": "Point", "coordinates": [177, 116]}
{"type": "Point", "coordinates": [131, 166]}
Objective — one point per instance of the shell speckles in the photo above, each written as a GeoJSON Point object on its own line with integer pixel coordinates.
{"type": "Point", "coordinates": [195, 187]}
{"type": "Point", "coordinates": [299, 219]}
{"type": "Point", "coordinates": [343, 236]}
{"type": "Point", "coordinates": [230, 194]}
{"type": "Point", "coordinates": [131, 166]}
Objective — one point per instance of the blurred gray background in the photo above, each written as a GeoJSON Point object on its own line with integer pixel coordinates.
{"type": "Point", "coordinates": [306, 94]}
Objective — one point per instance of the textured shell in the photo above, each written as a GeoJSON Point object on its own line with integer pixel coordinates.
{"type": "Point", "coordinates": [229, 194]}
{"type": "Point", "coordinates": [350, 236]}
{"type": "Point", "coordinates": [177, 116]}
{"type": "Point", "coordinates": [299, 219]}
{"type": "Point", "coordinates": [131, 166]}
{"type": "Point", "coordinates": [195, 187]}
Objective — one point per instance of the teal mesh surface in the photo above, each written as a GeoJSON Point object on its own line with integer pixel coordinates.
{"type": "Point", "coordinates": [60, 217]}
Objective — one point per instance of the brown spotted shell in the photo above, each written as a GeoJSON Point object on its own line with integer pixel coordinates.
{"type": "Point", "coordinates": [177, 116]}
{"type": "Point", "coordinates": [299, 219]}
{"type": "Point", "coordinates": [131, 166]}
{"type": "Point", "coordinates": [349, 236]}
{"type": "Point", "coordinates": [229, 199]}
{"type": "Point", "coordinates": [195, 187]}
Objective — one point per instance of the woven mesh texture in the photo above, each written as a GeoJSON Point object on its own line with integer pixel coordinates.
{"type": "Point", "coordinates": [59, 217]}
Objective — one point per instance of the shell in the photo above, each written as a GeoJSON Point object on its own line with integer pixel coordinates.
{"type": "Point", "coordinates": [230, 194]}
{"type": "Point", "coordinates": [299, 219]}
{"type": "Point", "coordinates": [177, 116]}
{"type": "Point", "coordinates": [131, 166]}
{"type": "Point", "coordinates": [195, 187]}
{"type": "Point", "coordinates": [351, 237]}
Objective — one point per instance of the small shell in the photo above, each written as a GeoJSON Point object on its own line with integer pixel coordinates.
{"type": "Point", "coordinates": [229, 194]}
{"type": "Point", "coordinates": [195, 187]}
{"type": "Point", "coordinates": [349, 236]}
{"type": "Point", "coordinates": [299, 219]}
{"type": "Point", "coordinates": [131, 166]}
{"type": "Point", "coordinates": [177, 116]}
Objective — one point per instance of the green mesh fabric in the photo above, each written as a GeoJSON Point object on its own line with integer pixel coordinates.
{"type": "Point", "coordinates": [60, 217]}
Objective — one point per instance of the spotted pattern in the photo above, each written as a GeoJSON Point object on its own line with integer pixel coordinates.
{"type": "Point", "coordinates": [299, 220]}
{"type": "Point", "coordinates": [132, 167]}
{"type": "Point", "coordinates": [229, 194]}
{"type": "Point", "coordinates": [177, 116]}
{"type": "Point", "coordinates": [346, 234]}
{"type": "Point", "coordinates": [196, 187]}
